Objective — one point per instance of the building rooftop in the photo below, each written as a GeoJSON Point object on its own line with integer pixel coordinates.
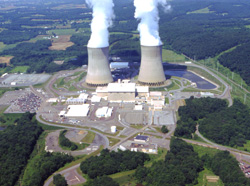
{"type": "Point", "coordinates": [142, 89]}
{"type": "Point", "coordinates": [77, 110]}
{"type": "Point", "coordinates": [140, 137]}
{"type": "Point", "coordinates": [121, 87]}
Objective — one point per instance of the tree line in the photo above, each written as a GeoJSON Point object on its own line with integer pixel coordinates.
{"type": "Point", "coordinates": [217, 122]}
{"type": "Point", "coordinates": [180, 167]}
{"type": "Point", "coordinates": [65, 142]}
{"type": "Point", "coordinates": [16, 144]}
{"type": "Point", "coordinates": [112, 162]}
{"type": "Point", "coordinates": [194, 110]}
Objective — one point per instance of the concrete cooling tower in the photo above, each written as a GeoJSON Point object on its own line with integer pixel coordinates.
{"type": "Point", "coordinates": [99, 73]}
{"type": "Point", "coordinates": [151, 70]}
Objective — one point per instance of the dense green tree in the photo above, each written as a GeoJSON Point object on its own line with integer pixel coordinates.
{"type": "Point", "coordinates": [164, 129]}
{"type": "Point", "coordinates": [16, 144]}
{"type": "Point", "coordinates": [59, 180]}
{"type": "Point", "coordinates": [101, 181]}
{"type": "Point", "coordinates": [112, 162]}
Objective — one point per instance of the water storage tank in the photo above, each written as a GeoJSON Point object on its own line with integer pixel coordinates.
{"type": "Point", "coordinates": [99, 73]}
{"type": "Point", "coordinates": [151, 70]}
{"type": "Point", "coordinates": [113, 129]}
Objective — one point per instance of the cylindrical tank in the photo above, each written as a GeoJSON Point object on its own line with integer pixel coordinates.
{"type": "Point", "coordinates": [151, 70]}
{"type": "Point", "coordinates": [99, 73]}
{"type": "Point", "coordinates": [113, 129]}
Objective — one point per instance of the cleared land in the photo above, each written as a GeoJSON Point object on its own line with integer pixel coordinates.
{"type": "Point", "coordinates": [69, 6]}
{"type": "Point", "coordinates": [201, 11]}
{"type": "Point", "coordinates": [171, 56]}
{"type": "Point", "coordinates": [6, 59]}
{"type": "Point", "coordinates": [61, 43]}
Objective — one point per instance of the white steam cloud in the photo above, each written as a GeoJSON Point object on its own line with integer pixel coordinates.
{"type": "Point", "coordinates": [147, 12]}
{"type": "Point", "coordinates": [102, 20]}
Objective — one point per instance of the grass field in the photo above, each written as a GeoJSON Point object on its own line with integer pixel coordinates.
{"type": "Point", "coordinates": [19, 69]}
{"type": "Point", "coordinates": [4, 47]}
{"type": "Point", "coordinates": [89, 138]}
{"type": "Point", "coordinates": [113, 141]}
{"type": "Point", "coordinates": [62, 31]}
{"type": "Point", "coordinates": [68, 85]}
{"type": "Point", "coordinates": [9, 119]}
{"type": "Point", "coordinates": [202, 181]}
{"type": "Point", "coordinates": [170, 56]}
{"type": "Point", "coordinates": [201, 11]}
{"type": "Point", "coordinates": [124, 178]}
{"type": "Point", "coordinates": [61, 43]}
{"type": "Point", "coordinates": [246, 146]}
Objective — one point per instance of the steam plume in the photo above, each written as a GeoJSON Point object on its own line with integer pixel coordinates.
{"type": "Point", "coordinates": [147, 12]}
{"type": "Point", "coordinates": [102, 19]}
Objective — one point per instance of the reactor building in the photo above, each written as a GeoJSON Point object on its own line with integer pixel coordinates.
{"type": "Point", "coordinates": [98, 73]}
{"type": "Point", "coordinates": [151, 70]}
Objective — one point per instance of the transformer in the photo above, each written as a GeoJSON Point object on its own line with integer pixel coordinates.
{"type": "Point", "coordinates": [151, 70]}
{"type": "Point", "coordinates": [99, 73]}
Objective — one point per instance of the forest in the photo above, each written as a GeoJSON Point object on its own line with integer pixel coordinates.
{"type": "Point", "coordinates": [224, 125]}
{"type": "Point", "coordinates": [226, 167]}
{"type": "Point", "coordinates": [16, 144]}
{"type": "Point", "coordinates": [181, 167]}
{"type": "Point", "coordinates": [229, 126]}
{"type": "Point", "coordinates": [65, 142]}
{"type": "Point", "coordinates": [194, 110]}
{"type": "Point", "coordinates": [238, 61]}
{"type": "Point", "coordinates": [112, 162]}
{"type": "Point", "coordinates": [42, 166]}
{"type": "Point", "coordinates": [199, 29]}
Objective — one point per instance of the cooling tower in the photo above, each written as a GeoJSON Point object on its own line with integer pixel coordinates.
{"type": "Point", "coordinates": [151, 70]}
{"type": "Point", "coordinates": [99, 73]}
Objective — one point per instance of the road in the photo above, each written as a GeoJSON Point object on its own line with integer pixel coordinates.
{"type": "Point", "coordinates": [106, 141]}
{"type": "Point", "coordinates": [68, 170]}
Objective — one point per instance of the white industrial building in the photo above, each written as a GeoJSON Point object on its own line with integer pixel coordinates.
{"type": "Point", "coordinates": [52, 100]}
{"type": "Point", "coordinates": [119, 65]}
{"type": "Point", "coordinates": [96, 99]}
{"type": "Point", "coordinates": [77, 110]}
{"type": "Point", "coordinates": [156, 99]}
{"type": "Point", "coordinates": [122, 92]}
{"type": "Point", "coordinates": [75, 101]}
{"type": "Point", "coordinates": [104, 112]}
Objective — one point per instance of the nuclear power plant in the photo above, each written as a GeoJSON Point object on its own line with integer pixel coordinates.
{"type": "Point", "coordinates": [99, 73]}
{"type": "Point", "coordinates": [151, 70]}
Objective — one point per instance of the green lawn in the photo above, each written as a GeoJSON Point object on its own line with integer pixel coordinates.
{"type": "Point", "coordinates": [202, 181]}
{"type": "Point", "coordinates": [76, 77]}
{"type": "Point", "coordinates": [113, 141]}
{"type": "Point", "coordinates": [137, 126]}
{"type": "Point", "coordinates": [204, 150]}
{"type": "Point", "coordinates": [19, 69]}
{"type": "Point", "coordinates": [171, 56]}
{"type": "Point", "coordinates": [124, 178]}
{"type": "Point", "coordinates": [246, 147]}
{"type": "Point", "coordinates": [89, 138]}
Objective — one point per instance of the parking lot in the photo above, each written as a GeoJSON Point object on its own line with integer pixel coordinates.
{"type": "Point", "coordinates": [23, 79]}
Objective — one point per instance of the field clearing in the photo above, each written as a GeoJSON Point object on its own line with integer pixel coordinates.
{"type": "Point", "coordinates": [11, 7]}
{"type": "Point", "coordinates": [69, 6]}
{"type": "Point", "coordinates": [19, 69]}
{"type": "Point", "coordinates": [62, 43]}
{"type": "Point", "coordinates": [62, 31]}
{"type": "Point", "coordinates": [201, 11]}
{"type": "Point", "coordinates": [170, 56]}
{"type": "Point", "coordinates": [6, 60]}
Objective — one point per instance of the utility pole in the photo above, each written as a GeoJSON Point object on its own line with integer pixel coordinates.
{"type": "Point", "coordinates": [241, 83]}
{"type": "Point", "coordinates": [232, 75]}
{"type": "Point", "coordinates": [245, 99]}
